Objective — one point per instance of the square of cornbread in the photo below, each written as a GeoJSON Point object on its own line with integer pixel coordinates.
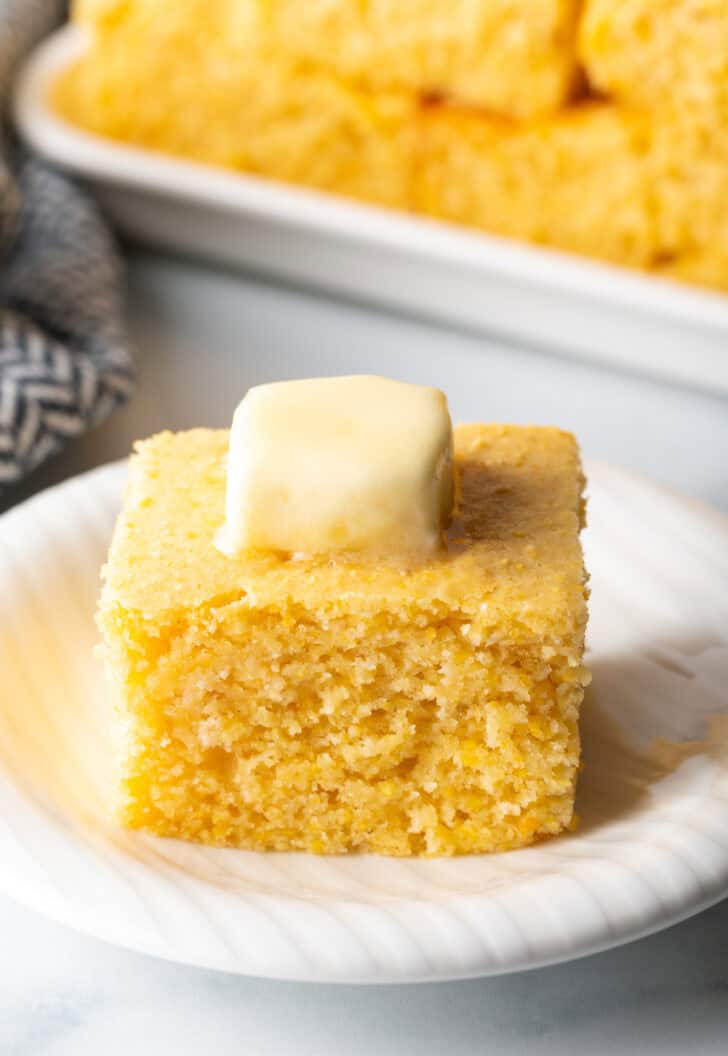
{"type": "Point", "coordinates": [347, 703]}
{"type": "Point", "coordinates": [514, 58]}
{"type": "Point", "coordinates": [580, 180]}
{"type": "Point", "coordinates": [169, 77]}
{"type": "Point", "coordinates": [503, 55]}
{"type": "Point", "coordinates": [646, 52]}
{"type": "Point", "coordinates": [690, 169]}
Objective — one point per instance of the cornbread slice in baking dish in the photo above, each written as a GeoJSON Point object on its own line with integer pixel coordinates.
{"type": "Point", "coordinates": [580, 180]}
{"type": "Point", "coordinates": [168, 77]}
{"type": "Point", "coordinates": [648, 52]}
{"type": "Point", "coordinates": [339, 704]}
{"type": "Point", "coordinates": [514, 58]}
{"type": "Point", "coordinates": [708, 267]}
{"type": "Point", "coordinates": [690, 165]}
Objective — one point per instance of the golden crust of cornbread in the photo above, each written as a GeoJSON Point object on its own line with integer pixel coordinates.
{"type": "Point", "coordinates": [500, 54]}
{"type": "Point", "coordinates": [647, 52]}
{"type": "Point", "coordinates": [349, 705]}
{"type": "Point", "coordinates": [579, 180]}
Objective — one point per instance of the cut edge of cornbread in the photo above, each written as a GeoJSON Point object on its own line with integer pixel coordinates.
{"type": "Point", "coordinates": [419, 712]}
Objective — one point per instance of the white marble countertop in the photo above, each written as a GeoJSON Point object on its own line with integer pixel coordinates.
{"type": "Point", "coordinates": [203, 336]}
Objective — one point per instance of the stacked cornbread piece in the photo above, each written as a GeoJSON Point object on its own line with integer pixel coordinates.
{"type": "Point", "coordinates": [336, 628]}
{"type": "Point", "coordinates": [594, 126]}
{"type": "Point", "coordinates": [668, 61]}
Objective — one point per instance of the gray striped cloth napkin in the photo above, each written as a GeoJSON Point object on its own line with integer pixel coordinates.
{"type": "Point", "coordinates": [64, 359]}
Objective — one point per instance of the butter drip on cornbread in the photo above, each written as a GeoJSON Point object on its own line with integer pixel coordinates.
{"type": "Point", "coordinates": [349, 704]}
{"type": "Point", "coordinates": [328, 464]}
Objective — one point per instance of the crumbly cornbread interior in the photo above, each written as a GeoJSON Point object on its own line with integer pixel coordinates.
{"type": "Point", "coordinates": [408, 708]}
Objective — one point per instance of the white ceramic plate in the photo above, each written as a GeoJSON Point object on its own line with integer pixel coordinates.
{"type": "Point", "coordinates": [548, 299]}
{"type": "Point", "coordinates": [651, 849]}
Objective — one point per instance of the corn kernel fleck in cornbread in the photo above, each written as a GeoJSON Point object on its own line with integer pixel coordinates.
{"type": "Point", "coordinates": [351, 704]}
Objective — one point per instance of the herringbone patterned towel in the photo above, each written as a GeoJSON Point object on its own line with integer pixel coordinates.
{"type": "Point", "coordinates": [64, 361]}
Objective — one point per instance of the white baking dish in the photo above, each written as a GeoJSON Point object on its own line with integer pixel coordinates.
{"type": "Point", "coordinates": [540, 297]}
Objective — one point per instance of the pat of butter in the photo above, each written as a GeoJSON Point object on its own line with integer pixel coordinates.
{"type": "Point", "coordinates": [330, 464]}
